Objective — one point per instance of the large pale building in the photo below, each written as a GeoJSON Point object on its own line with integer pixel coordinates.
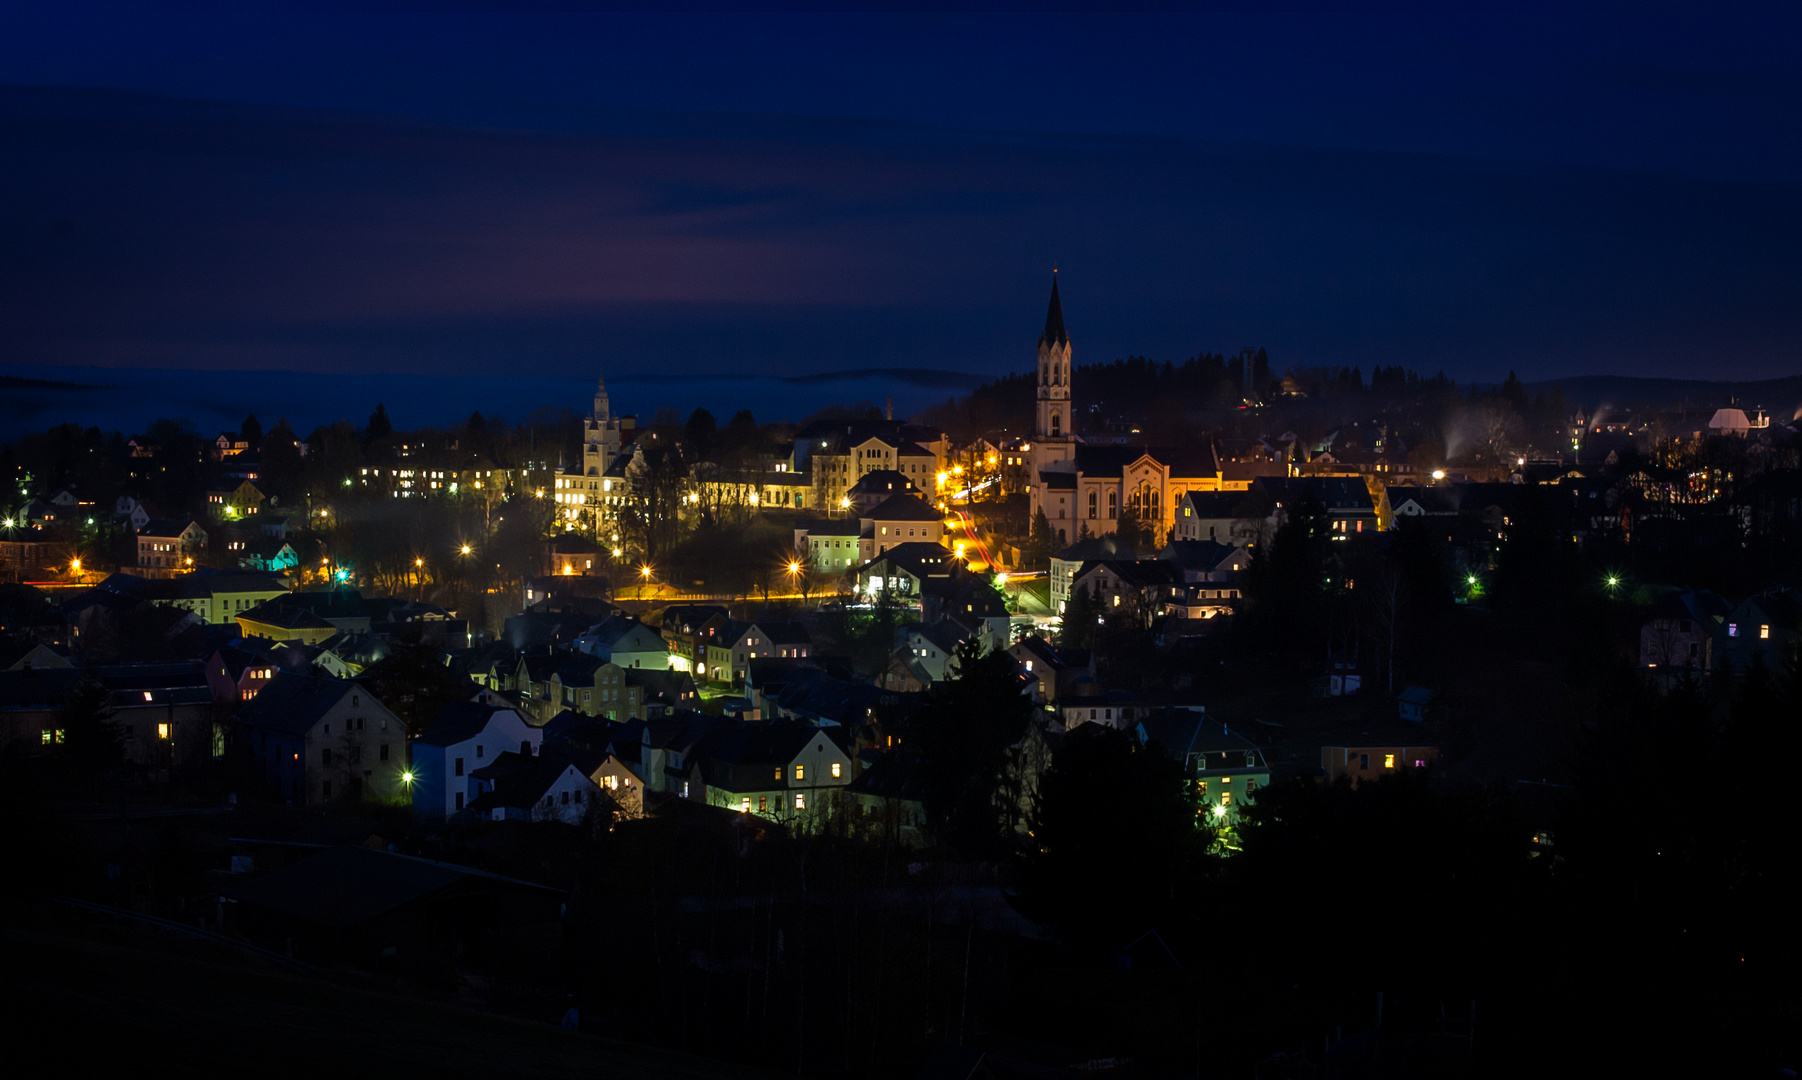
{"type": "Point", "coordinates": [1082, 487]}
{"type": "Point", "coordinates": [587, 494]}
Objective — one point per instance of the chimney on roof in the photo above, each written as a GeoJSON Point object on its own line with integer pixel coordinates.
{"type": "Point", "coordinates": [888, 412]}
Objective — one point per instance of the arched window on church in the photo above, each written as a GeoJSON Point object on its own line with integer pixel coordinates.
{"type": "Point", "coordinates": [1091, 504]}
{"type": "Point", "coordinates": [1056, 425]}
{"type": "Point", "coordinates": [1156, 510]}
{"type": "Point", "coordinates": [1113, 504]}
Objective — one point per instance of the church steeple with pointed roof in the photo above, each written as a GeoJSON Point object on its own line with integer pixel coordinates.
{"type": "Point", "coordinates": [1054, 320]}
{"type": "Point", "coordinates": [1054, 374]}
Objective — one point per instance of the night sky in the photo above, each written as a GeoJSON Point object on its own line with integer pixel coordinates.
{"type": "Point", "coordinates": [342, 188]}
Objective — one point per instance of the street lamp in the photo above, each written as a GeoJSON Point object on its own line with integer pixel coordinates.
{"type": "Point", "coordinates": [465, 549]}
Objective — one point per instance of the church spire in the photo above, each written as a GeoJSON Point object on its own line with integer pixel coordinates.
{"type": "Point", "coordinates": [1054, 319]}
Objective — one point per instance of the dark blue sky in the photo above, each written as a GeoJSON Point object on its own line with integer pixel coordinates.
{"type": "Point", "coordinates": [343, 187]}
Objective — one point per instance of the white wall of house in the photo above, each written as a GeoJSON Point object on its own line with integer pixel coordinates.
{"type": "Point", "coordinates": [441, 787]}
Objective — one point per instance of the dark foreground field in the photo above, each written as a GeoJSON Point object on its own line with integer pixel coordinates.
{"type": "Point", "coordinates": [86, 997]}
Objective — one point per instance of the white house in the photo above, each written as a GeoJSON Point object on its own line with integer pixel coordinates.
{"type": "Point", "coordinates": [463, 737]}
{"type": "Point", "coordinates": [627, 642]}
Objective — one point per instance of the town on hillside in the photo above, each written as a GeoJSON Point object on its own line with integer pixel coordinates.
{"type": "Point", "coordinates": [1216, 717]}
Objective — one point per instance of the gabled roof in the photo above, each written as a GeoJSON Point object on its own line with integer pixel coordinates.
{"type": "Point", "coordinates": [1096, 547]}
{"type": "Point", "coordinates": [166, 528]}
{"type": "Point", "coordinates": [525, 787]}
{"type": "Point", "coordinates": [283, 616]}
{"type": "Point", "coordinates": [903, 507]}
{"type": "Point", "coordinates": [894, 775]}
{"type": "Point", "coordinates": [1198, 554]}
{"type": "Point", "coordinates": [885, 481]}
{"type": "Point", "coordinates": [784, 632]}
{"type": "Point", "coordinates": [920, 558]}
{"type": "Point", "coordinates": [945, 634]}
{"type": "Point", "coordinates": [458, 721]}
{"type": "Point", "coordinates": [293, 703]}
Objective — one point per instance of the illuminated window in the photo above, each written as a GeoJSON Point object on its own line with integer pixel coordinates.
{"type": "Point", "coordinates": [1732, 629]}
{"type": "Point", "coordinates": [746, 805]}
{"type": "Point", "coordinates": [1203, 785]}
{"type": "Point", "coordinates": [1226, 798]}
{"type": "Point", "coordinates": [1764, 631]}
{"type": "Point", "coordinates": [1388, 761]}
{"type": "Point", "coordinates": [800, 772]}
{"type": "Point", "coordinates": [778, 772]}
{"type": "Point", "coordinates": [162, 732]}
{"type": "Point", "coordinates": [836, 770]}
{"type": "Point", "coordinates": [800, 800]}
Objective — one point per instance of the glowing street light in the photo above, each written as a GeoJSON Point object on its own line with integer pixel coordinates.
{"type": "Point", "coordinates": [74, 566]}
{"type": "Point", "coordinates": [406, 777]}
{"type": "Point", "coordinates": [1001, 578]}
{"type": "Point", "coordinates": [465, 549]}
{"type": "Point", "coordinates": [1439, 474]}
{"type": "Point", "coordinates": [1219, 811]}
{"type": "Point", "coordinates": [794, 567]}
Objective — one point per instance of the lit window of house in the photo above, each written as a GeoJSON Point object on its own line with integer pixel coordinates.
{"type": "Point", "coordinates": [1388, 761]}
{"type": "Point", "coordinates": [1764, 631]}
{"type": "Point", "coordinates": [837, 770]}
{"type": "Point", "coordinates": [800, 772]}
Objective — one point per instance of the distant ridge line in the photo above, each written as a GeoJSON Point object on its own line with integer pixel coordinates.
{"type": "Point", "coordinates": [18, 382]}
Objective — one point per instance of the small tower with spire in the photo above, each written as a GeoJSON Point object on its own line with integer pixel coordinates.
{"type": "Point", "coordinates": [1054, 373]}
{"type": "Point", "coordinates": [600, 434]}
{"type": "Point", "coordinates": [1053, 444]}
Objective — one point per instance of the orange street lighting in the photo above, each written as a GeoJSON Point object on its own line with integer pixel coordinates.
{"type": "Point", "coordinates": [465, 549]}
{"type": "Point", "coordinates": [794, 567]}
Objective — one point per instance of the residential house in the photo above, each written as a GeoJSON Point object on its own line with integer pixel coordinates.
{"type": "Point", "coordinates": [317, 739]}
{"type": "Point", "coordinates": [1052, 671]}
{"type": "Point", "coordinates": [832, 545]}
{"type": "Point", "coordinates": [687, 630]}
{"type": "Point", "coordinates": [903, 571]}
{"type": "Point", "coordinates": [163, 712]}
{"type": "Point", "coordinates": [170, 543]}
{"type": "Point", "coordinates": [463, 737]}
{"type": "Point", "coordinates": [1226, 768]}
{"type": "Point", "coordinates": [234, 502]}
{"type": "Point", "coordinates": [1680, 635]}
{"type": "Point", "coordinates": [784, 770]}
{"type": "Point", "coordinates": [1763, 630]}
{"type": "Point", "coordinates": [556, 787]}
{"type": "Point", "coordinates": [281, 621]}
{"type": "Point", "coordinates": [1369, 755]}
{"type": "Point", "coordinates": [623, 640]}
{"type": "Point", "coordinates": [897, 520]}
{"type": "Point", "coordinates": [1067, 562]}
{"type": "Point", "coordinates": [888, 799]}
{"type": "Point", "coordinates": [1144, 584]}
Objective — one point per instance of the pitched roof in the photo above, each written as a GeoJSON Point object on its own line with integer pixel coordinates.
{"type": "Point", "coordinates": [166, 528]}
{"type": "Point", "coordinates": [884, 481]}
{"type": "Point", "coordinates": [1054, 319]}
{"type": "Point", "coordinates": [284, 616]}
{"type": "Point", "coordinates": [785, 632]}
{"type": "Point", "coordinates": [457, 721]}
{"type": "Point", "coordinates": [293, 703]}
{"type": "Point", "coordinates": [1197, 554]}
{"type": "Point", "coordinates": [903, 507]}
